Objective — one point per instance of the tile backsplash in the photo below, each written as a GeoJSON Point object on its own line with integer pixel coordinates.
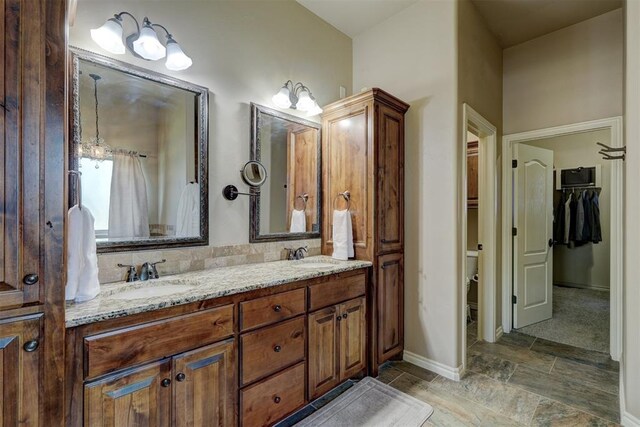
{"type": "Point", "coordinates": [182, 260]}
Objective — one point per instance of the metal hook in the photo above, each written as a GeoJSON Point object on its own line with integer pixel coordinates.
{"type": "Point", "coordinates": [608, 149]}
{"type": "Point", "coordinates": [305, 198]}
{"type": "Point", "coordinates": [347, 196]}
{"type": "Point", "coordinates": [78, 175]}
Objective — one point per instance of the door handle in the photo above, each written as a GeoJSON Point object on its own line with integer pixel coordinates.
{"type": "Point", "coordinates": [550, 243]}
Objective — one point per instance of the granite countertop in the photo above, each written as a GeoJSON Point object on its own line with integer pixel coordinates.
{"type": "Point", "coordinates": [199, 285]}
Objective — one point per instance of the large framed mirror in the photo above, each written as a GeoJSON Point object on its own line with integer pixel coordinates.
{"type": "Point", "coordinates": [140, 143]}
{"type": "Point", "coordinates": [288, 204]}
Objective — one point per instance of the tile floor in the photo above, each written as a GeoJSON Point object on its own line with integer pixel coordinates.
{"type": "Point", "coordinates": [518, 381]}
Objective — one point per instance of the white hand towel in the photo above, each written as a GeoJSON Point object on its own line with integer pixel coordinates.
{"type": "Point", "coordinates": [298, 222]}
{"type": "Point", "coordinates": [188, 216]}
{"type": "Point", "coordinates": [342, 235]}
{"type": "Point", "coordinates": [82, 262]}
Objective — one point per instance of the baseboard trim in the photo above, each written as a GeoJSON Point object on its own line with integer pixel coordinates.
{"type": "Point", "coordinates": [628, 420]}
{"type": "Point", "coordinates": [433, 366]}
{"type": "Point", "coordinates": [499, 332]}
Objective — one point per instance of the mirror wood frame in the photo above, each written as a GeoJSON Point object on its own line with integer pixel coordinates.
{"type": "Point", "coordinates": [255, 235]}
{"type": "Point", "coordinates": [201, 122]}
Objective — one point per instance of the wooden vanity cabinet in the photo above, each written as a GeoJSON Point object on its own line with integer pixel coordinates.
{"type": "Point", "coordinates": [472, 174]}
{"type": "Point", "coordinates": [363, 153]}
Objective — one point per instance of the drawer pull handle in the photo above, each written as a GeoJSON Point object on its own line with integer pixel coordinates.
{"type": "Point", "coordinates": [344, 316]}
{"type": "Point", "coordinates": [30, 346]}
{"type": "Point", "coordinates": [30, 279]}
{"type": "Point", "coordinates": [277, 308]}
{"type": "Point", "coordinates": [181, 377]}
{"type": "Point", "coordinates": [277, 349]}
{"type": "Point", "coordinates": [277, 399]}
{"type": "Point", "coordinates": [165, 382]}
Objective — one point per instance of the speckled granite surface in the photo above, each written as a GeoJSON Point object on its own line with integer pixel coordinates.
{"type": "Point", "coordinates": [202, 285]}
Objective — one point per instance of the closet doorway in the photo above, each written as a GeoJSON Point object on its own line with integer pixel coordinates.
{"type": "Point", "coordinates": [562, 238]}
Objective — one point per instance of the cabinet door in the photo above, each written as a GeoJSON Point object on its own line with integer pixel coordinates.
{"type": "Point", "coordinates": [390, 179]}
{"type": "Point", "coordinates": [472, 174]}
{"type": "Point", "coordinates": [139, 397]}
{"type": "Point", "coordinates": [323, 362]}
{"type": "Point", "coordinates": [20, 352]}
{"type": "Point", "coordinates": [352, 337]}
{"type": "Point", "coordinates": [22, 97]}
{"type": "Point", "coordinates": [205, 386]}
{"type": "Point", "coordinates": [390, 300]}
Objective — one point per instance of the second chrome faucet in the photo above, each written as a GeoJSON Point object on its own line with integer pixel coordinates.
{"type": "Point", "coordinates": [147, 272]}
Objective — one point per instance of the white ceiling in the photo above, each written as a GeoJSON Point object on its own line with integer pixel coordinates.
{"type": "Point", "coordinates": [352, 17]}
{"type": "Point", "coordinates": [512, 21]}
{"type": "Point", "coordinates": [516, 21]}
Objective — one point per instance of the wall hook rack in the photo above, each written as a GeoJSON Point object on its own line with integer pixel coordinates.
{"type": "Point", "coordinates": [606, 151]}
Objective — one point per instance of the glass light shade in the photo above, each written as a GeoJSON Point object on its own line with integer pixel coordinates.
{"type": "Point", "coordinates": [305, 103]}
{"type": "Point", "coordinates": [148, 46]}
{"type": "Point", "coordinates": [109, 36]}
{"type": "Point", "coordinates": [176, 58]}
{"type": "Point", "coordinates": [315, 110]}
{"type": "Point", "coordinates": [281, 99]}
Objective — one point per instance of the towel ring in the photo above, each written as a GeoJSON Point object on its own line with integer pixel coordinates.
{"type": "Point", "coordinates": [305, 198]}
{"type": "Point", "coordinates": [347, 196]}
{"type": "Point", "coordinates": [78, 175]}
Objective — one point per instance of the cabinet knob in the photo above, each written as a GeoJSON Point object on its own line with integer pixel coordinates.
{"type": "Point", "coordinates": [344, 316]}
{"type": "Point", "coordinates": [30, 279]}
{"type": "Point", "coordinates": [165, 382]}
{"type": "Point", "coordinates": [30, 346]}
{"type": "Point", "coordinates": [277, 308]}
{"type": "Point", "coordinates": [277, 399]}
{"type": "Point", "coordinates": [277, 349]}
{"type": "Point", "coordinates": [339, 317]}
{"type": "Point", "coordinates": [181, 377]}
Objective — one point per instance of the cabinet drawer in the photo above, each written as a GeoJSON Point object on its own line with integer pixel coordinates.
{"type": "Point", "coordinates": [269, 401]}
{"type": "Point", "coordinates": [271, 309]}
{"type": "Point", "coordinates": [268, 350]}
{"type": "Point", "coordinates": [130, 346]}
{"type": "Point", "coordinates": [336, 291]}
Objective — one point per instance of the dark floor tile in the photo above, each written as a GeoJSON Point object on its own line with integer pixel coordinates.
{"type": "Point", "coordinates": [388, 373]}
{"type": "Point", "coordinates": [491, 366]}
{"type": "Point", "coordinates": [589, 357]}
{"type": "Point", "coordinates": [551, 414]}
{"type": "Point", "coordinates": [328, 397]}
{"type": "Point", "coordinates": [515, 354]}
{"type": "Point", "coordinates": [592, 376]}
{"type": "Point", "coordinates": [296, 417]}
{"type": "Point", "coordinates": [414, 370]}
{"type": "Point", "coordinates": [517, 339]}
{"type": "Point", "coordinates": [569, 392]}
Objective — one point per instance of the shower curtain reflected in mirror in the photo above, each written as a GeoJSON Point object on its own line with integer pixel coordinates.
{"type": "Point", "coordinates": [128, 208]}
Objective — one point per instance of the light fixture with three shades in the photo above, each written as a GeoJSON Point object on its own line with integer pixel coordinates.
{"type": "Point", "coordinates": [297, 97]}
{"type": "Point", "coordinates": [144, 43]}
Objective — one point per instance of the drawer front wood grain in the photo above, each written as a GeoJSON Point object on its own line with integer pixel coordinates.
{"type": "Point", "coordinates": [336, 291]}
{"type": "Point", "coordinates": [130, 346]}
{"type": "Point", "coordinates": [268, 350]}
{"type": "Point", "coordinates": [271, 309]}
{"type": "Point", "coordinates": [267, 402]}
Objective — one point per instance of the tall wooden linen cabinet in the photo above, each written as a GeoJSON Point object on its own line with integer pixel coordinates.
{"type": "Point", "coordinates": [363, 153]}
{"type": "Point", "coordinates": [32, 211]}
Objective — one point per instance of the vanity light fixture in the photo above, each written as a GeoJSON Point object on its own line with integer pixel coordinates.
{"type": "Point", "coordinates": [298, 97]}
{"type": "Point", "coordinates": [144, 43]}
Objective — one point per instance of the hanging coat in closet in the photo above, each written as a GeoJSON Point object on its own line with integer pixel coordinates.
{"type": "Point", "coordinates": [596, 234]}
{"type": "Point", "coordinates": [559, 221]}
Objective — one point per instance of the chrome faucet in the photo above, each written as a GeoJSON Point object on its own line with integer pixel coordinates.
{"type": "Point", "coordinates": [295, 254]}
{"type": "Point", "coordinates": [132, 273]}
{"type": "Point", "coordinates": [149, 270]}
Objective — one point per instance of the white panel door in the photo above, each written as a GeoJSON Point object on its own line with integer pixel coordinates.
{"type": "Point", "coordinates": [533, 248]}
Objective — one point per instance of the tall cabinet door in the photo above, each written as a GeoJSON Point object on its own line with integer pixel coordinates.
{"type": "Point", "coordinates": [21, 126]}
{"type": "Point", "coordinates": [353, 356]}
{"type": "Point", "coordinates": [140, 397]}
{"type": "Point", "coordinates": [390, 179]}
{"type": "Point", "coordinates": [20, 356]}
{"type": "Point", "coordinates": [204, 387]}
{"type": "Point", "coordinates": [324, 373]}
{"type": "Point", "coordinates": [390, 300]}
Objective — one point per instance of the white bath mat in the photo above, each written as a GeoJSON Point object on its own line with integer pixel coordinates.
{"type": "Point", "coordinates": [371, 403]}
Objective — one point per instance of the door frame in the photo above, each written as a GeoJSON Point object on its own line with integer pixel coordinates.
{"type": "Point", "coordinates": [614, 125]}
{"type": "Point", "coordinates": [487, 229]}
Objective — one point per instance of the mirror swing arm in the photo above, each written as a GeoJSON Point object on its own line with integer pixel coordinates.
{"type": "Point", "coordinates": [230, 192]}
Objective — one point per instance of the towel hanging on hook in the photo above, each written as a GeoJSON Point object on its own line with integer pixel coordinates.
{"type": "Point", "coordinates": [347, 196]}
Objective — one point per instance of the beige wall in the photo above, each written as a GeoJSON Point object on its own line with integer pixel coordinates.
{"type": "Point", "coordinates": [571, 75]}
{"type": "Point", "coordinates": [412, 55]}
{"type": "Point", "coordinates": [243, 51]}
{"type": "Point", "coordinates": [631, 334]}
{"type": "Point", "coordinates": [588, 265]}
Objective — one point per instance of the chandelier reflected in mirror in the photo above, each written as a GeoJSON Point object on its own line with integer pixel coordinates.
{"type": "Point", "coordinates": [94, 147]}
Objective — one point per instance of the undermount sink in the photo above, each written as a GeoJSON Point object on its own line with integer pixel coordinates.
{"type": "Point", "coordinates": [315, 265]}
{"type": "Point", "coordinates": [152, 291]}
